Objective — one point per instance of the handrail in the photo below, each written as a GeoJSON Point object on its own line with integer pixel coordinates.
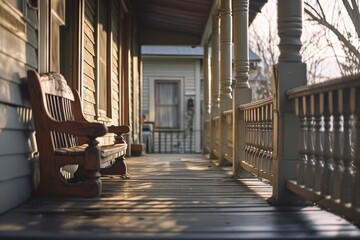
{"type": "Point", "coordinates": [331, 85]}
{"type": "Point", "coordinates": [256, 104]}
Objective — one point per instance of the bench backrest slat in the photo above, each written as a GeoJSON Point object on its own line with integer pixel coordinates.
{"type": "Point", "coordinates": [58, 97]}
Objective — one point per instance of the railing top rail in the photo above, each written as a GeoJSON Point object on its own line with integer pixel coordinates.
{"type": "Point", "coordinates": [338, 83]}
{"type": "Point", "coordinates": [227, 112]}
{"type": "Point", "coordinates": [256, 104]}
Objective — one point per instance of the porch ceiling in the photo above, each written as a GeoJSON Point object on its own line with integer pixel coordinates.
{"type": "Point", "coordinates": [174, 22]}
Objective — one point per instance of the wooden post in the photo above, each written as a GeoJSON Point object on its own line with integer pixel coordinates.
{"type": "Point", "coordinates": [207, 104]}
{"type": "Point", "coordinates": [242, 91]}
{"type": "Point", "coordinates": [225, 72]}
{"type": "Point", "coordinates": [290, 72]}
{"type": "Point", "coordinates": [215, 80]}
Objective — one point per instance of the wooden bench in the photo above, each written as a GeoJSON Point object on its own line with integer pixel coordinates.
{"type": "Point", "coordinates": [65, 137]}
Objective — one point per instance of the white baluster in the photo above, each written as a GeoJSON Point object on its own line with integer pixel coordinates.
{"type": "Point", "coordinates": [266, 140]}
{"type": "Point", "coordinates": [347, 175]}
{"type": "Point", "coordinates": [336, 146]}
{"type": "Point", "coordinates": [310, 153]}
{"type": "Point", "coordinates": [247, 135]}
{"type": "Point", "coordinates": [326, 151]}
{"type": "Point", "coordinates": [253, 137]}
{"type": "Point", "coordinates": [315, 108]}
{"type": "Point", "coordinates": [257, 140]}
{"type": "Point", "coordinates": [271, 139]}
{"type": "Point", "coordinates": [262, 138]}
{"type": "Point", "coordinates": [300, 112]}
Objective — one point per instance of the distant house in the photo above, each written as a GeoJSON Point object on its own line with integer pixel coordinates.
{"type": "Point", "coordinates": [172, 78]}
{"type": "Point", "coordinates": [172, 96]}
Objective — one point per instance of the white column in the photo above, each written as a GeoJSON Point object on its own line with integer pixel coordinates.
{"type": "Point", "coordinates": [215, 79]}
{"type": "Point", "coordinates": [207, 105]}
{"type": "Point", "coordinates": [225, 71]}
{"type": "Point", "coordinates": [242, 91]}
{"type": "Point", "coordinates": [290, 72]}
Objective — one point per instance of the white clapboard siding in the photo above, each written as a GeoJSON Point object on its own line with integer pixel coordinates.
{"type": "Point", "coordinates": [89, 100]}
{"type": "Point", "coordinates": [18, 53]}
{"type": "Point", "coordinates": [115, 13]}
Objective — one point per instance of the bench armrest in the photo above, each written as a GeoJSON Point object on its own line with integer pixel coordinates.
{"type": "Point", "coordinates": [119, 130]}
{"type": "Point", "coordinates": [79, 128]}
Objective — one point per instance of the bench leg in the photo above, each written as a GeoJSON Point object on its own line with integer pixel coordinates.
{"type": "Point", "coordinates": [55, 185]}
{"type": "Point", "coordinates": [118, 168]}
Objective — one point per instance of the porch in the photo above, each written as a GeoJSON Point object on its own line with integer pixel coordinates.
{"type": "Point", "coordinates": [173, 196]}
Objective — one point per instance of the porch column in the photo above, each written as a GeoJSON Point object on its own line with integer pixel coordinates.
{"type": "Point", "coordinates": [290, 72]}
{"type": "Point", "coordinates": [207, 105]}
{"type": "Point", "coordinates": [242, 91]}
{"type": "Point", "coordinates": [225, 72]}
{"type": "Point", "coordinates": [215, 79]}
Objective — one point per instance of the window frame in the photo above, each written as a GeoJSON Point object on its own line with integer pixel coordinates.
{"type": "Point", "coordinates": [177, 83]}
{"type": "Point", "coordinates": [152, 81]}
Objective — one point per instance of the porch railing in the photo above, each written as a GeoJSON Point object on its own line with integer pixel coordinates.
{"type": "Point", "coordinates": [228, 119]}
{"type": "Point", "coordinates": [328, 172]}
{"type": "Point", "coordinates": [258, 118]}
{"type": "Point", "coordinates": [174, 141]}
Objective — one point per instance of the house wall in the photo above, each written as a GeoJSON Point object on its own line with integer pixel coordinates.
{"type": "Point", "coordinates": [20, 34]}
{"type": "Point", "coordinates": [18, 53]}
{"type": "Point", "coordinates": [188, 72]}
{"type": "Point", "coordinates": [124, 68]}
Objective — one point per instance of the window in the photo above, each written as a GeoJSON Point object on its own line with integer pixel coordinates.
{"type": "Point", "coordinates": [167, 104]}
{"type": "Point", "coordinates": [104, 61]}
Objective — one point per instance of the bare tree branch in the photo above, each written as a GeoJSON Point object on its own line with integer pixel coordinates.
{"type": "Point", "coordinates": [339, 35]}
{"type": "Point", "coordinates": [354, 14]}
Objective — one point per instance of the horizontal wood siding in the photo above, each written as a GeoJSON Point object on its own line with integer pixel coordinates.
{"type": "Point", "coordinates": [89, 99]}
{"type": "Point", "coordinates": [115, 61]}
{"type": "Point", "coordinates": [18, 53]}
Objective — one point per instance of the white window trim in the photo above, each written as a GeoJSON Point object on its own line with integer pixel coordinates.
{"type": "Point", "coordinates": [153, 80]}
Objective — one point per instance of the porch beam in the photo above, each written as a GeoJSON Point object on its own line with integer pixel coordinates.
{"type": "Point", "coordinates": [289, 72]}
{"type": "Point", "coordinates": [242, 92]}
{"type": "Point", "coordinates": [225, 72]}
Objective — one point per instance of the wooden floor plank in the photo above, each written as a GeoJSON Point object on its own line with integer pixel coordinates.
{"type": "Point", "coordinates": [173, 197]}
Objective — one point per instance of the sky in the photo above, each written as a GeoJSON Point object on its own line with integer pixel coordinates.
{"type": "Point", "coordinates": [316, 52]}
